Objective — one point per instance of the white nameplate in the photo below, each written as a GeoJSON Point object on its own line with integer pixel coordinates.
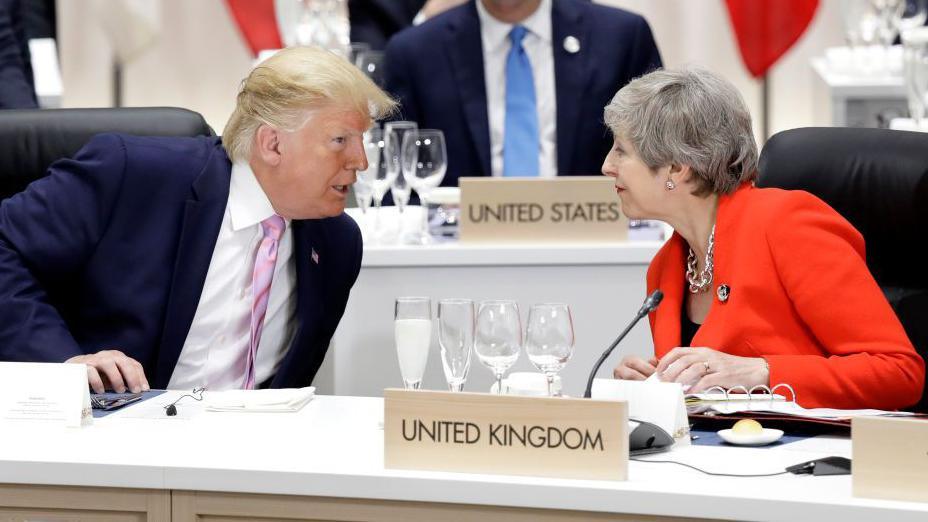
{"type": "Point", "coordinates": [45, 393]}
{"type": "Point", "coordinates": [557, 210]}
{"type": "Point", "coordinates": [503, 434]}
{"type": "Point", "coordinates": [890, 458]}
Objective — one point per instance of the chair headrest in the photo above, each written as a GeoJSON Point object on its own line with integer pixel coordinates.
{"type": "Point", "coordinates": [34, 139]}
{"type": "Point", "coordinates": [876, 178]}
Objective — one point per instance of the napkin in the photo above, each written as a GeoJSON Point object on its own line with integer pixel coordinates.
{"type": "Point", "coordinates": [278, 400]}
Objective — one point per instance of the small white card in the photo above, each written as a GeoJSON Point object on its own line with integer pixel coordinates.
{"type": "Point", "coordinates": [659, 403]}
{"type": "Point", "coordinates": [47, 393]}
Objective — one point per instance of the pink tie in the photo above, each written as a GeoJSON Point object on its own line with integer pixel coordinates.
{"type": "Point", "coordinates": [263, 274]}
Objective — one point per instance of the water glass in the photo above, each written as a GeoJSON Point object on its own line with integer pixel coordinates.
{"type": "Point", "coordinates": [412, 333]}
{"type": "Point", "coordinates": [549, 338]}
{"type": "Point", "coordinates": [424, 160]}
{"type": "Point", "coordinates": [498, 338]}
{"type": "Point", "coordinates": [456, 323]}
{"type": "Point", "coordinates": [915, 49]}
{"type": "Point", "coordinates": [371, 64]}
{"type": "Point", "coordinates": [377, 175]}
{"type": "Point", "coordinates": [393, 133]}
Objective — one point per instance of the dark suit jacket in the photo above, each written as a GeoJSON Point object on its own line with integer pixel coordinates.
{"type": "Point", "coordinates": [111, 250]}
{"type": "Point", "coordinates": [436, 70]}
{"type": "Point", "coordinates": [16, 88]}
{"type": "Point", "coordinates": [375, 21]}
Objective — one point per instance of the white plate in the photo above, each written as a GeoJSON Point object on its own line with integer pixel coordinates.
{"type": "Point", "coordinates": [752, 439]}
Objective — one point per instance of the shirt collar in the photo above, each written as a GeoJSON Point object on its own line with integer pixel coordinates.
{"type": "Point", "coordinates": [496, 33]}
{"type": "Point", "coordinates": [248, 204]}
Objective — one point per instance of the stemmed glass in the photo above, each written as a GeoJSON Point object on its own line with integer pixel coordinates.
{"type": "Point", "coordinates": [412, 332]}
{"type": "Point", "coordinates": [393, 133]}
{"type": "Point", "coordinates": [424, 161]}
{"type": "Point", "coordinates": [498, 337]}
{"type": "Point", "coordinates": [363, 196]}
{"type": "Point", "coordinates": [456, 337]}
{"type": "Point", "coordinates": [371, 64]}
{"type": "Point", "coordinates": [377, 175]}
{"type": "Point", "coordinates": [889, 13]}
{"type": "Point", "coordinates": [914, 14]}
{"type": "Point", "coordinates": [549, 339]}
{"type": "Point", "coordinates": [915, 45]}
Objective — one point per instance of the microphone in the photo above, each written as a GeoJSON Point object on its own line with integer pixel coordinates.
{"type": "Point", "coordinates": [649, 305]}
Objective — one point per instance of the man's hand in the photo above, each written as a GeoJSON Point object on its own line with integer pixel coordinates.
{"type": "Point", "coordinates": [703, 368]}
{"type": "Point", "coordinates": [114, 370]}
{"type": "Point", "coordinates": [634, 368]}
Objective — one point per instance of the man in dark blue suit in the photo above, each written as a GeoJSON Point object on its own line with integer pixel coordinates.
{"type": "Point", "coordinates": [375, 21]}
{"type": "Point", "coordinates": [518, 86]}
{"type": "Point", "coordinates": [16, 88]}
{"type": "Point", "coordinates": [185, 262]}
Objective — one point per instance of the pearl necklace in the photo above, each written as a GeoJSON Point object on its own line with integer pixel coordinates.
{"type": "Point", "coordinates": [704, 281]}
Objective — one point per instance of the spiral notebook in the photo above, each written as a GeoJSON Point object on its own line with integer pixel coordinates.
{"type": "Point", "coordinates": [765, 402]}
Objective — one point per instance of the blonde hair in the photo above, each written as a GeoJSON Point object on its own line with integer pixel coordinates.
{"type": "Point", "coordinates": [283, 90]}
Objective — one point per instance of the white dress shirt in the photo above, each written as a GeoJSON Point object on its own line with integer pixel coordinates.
{"type": "Point", "coordinates": [214, 353]}
{"type": "Point", "coordinates": [537, 45]}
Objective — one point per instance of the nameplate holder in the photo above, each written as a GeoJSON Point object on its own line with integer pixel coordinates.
{"type": "Point", "coordinates": [890, 458]}
{"type": "Point", "coordinates": [573, 209]}
{"type": "Point", "coordinates": [44, 393]}
{"type": "Point", "coordinates": [503, 434]}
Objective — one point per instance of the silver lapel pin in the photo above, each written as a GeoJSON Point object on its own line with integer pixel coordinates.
{"type": "Point", "coordinates": [572, 45]}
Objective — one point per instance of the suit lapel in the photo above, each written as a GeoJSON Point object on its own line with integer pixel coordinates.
{"type": "Point", "coordinates": [200, 228]}
{"type": "Point", "coordinates": [309, 254]}
{"type": "Point", "coordinates": [667, 316]}
{"type": "Point", "coordinates": [570, 76]}
{"type": "Point", "coordinates": [466, 55]}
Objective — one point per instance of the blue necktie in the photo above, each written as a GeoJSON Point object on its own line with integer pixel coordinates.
{"type": "Point", "coordinates": [520, 138]}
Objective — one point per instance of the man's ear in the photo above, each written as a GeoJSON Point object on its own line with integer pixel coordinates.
{"type": "Point", "coordinates": [267, 145]}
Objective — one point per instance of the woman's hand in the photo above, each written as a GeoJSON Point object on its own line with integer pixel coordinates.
{"type": "Point", "coordinates": [634, 368]}
{"type": "Point", "coordinates": [703, 368]}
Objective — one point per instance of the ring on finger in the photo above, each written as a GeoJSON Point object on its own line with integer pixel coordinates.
{"type": "Point", "coordinates": [708, 369]}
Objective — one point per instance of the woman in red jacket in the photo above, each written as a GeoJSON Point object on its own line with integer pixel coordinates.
{"type": "Point", "coordinates": [761, 286]}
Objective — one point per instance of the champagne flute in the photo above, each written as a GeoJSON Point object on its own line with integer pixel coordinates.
{"type": "Point", "coordinates": [549, 339]}
{"type": "Point", "coordinates": [498, 338]}
{"type": "Point", "coordinates": [412, 333]}
{"type": "Point", "coordinates": [371, 64]}
{"type": "Point", "coordinates": [915, 45]}
{"type": "Point", "coordinates": [377, 175]}
{"type": "Point", "coordinates": [393, 133]}
{"type": "Point", "coordinates": [424, 161]}
{"type": "Point", "coordinates": [456, 337]}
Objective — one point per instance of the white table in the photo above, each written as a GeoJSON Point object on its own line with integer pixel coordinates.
{"type": "Point", "coordinates": [603, 283]}
{"type": "Point", "coordinates": [856, 100]}
{"type": "Point", "coordinates": [326, 462]}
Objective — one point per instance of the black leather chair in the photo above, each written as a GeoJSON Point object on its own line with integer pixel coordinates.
{"type": "Point", "coordinates": [878, 180]}
{"type": "Point", "coordinates": [31, 140]}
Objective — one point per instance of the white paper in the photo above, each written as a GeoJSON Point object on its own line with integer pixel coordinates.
{"type": "Point", "coordinates": [46, 393]}
{"type": "Point", "coordinates": [659, 403]}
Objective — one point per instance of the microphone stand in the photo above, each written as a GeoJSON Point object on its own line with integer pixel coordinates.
{"type": "Point", "coordinates": [650, 304]}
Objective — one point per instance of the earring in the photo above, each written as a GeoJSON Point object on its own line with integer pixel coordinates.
{"type": "Point", "coordinates": [670, 184]}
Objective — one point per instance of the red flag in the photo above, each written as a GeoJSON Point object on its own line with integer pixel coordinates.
{"type": "Point", "coordinates": [766, 29]}
{"type": "Point", "coordinates": [257, 21]}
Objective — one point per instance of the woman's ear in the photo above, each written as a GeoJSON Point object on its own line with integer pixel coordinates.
{"type": "Point", "coordinates": [680, 174]}
{"type": "Point", "coordinates": [267, 145]}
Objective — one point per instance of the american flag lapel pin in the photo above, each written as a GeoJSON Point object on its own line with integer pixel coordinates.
{"type": "Point", "coordinates": [315, 256]}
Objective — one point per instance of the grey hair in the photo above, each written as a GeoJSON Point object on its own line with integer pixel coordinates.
{"type": "Point", "coordinates": [690, 117]}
